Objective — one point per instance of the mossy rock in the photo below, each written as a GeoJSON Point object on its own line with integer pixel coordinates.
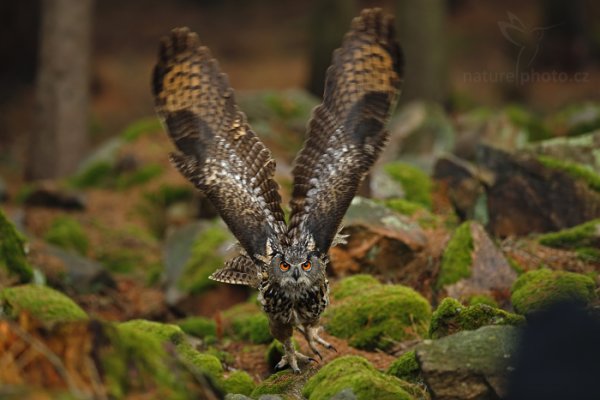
{"type": "Point", "coordinates": [483, 299]}
{"type": "Point", "coordinates": [354, 284]}
{"type": "Point", "coordinates": [247, 321]}
{"type": "Point", "coordinates": [451, 317]}
{"type": "Point", "coordinates": [206, 363]}
{"type": "Point", "coordinates": [406, 367]}
{"type": "Point", "coordinates": [536, 290]}
{"type": "Point", "coordinates": [239, 382]}
{"type": "Point", "coordinates": [41, 302]}
{"type": "Point", "coordinates": [285, 383]}
{"type": "Point", "coordinates": [13, 261]}
{"type": "Point", "coordinates": [581, 236]}
{"type": "Point", "coordinates": [376, 316]}
{"type": "Point", "coordinates": [417, 184]}
{"type": "Point", "coordinates": [67, 233]}
{"type": "Point", "coordinates": [360, 377]}
{"type": "Point", "coordinates": [577, 171]}
{"type": "Point", "coordinates": [204, 260]}
{"type": "Point", "coordinates": [209, 364]}
{"type": "Point", "coordinates": [201, 327]}
{"type": "Point", "coordinates": [457, 258]}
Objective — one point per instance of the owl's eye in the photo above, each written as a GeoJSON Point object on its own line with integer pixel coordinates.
{"type": "Point", "coordinates": [284, 266]}
{"type": "Point", "coordinates": [306, 266]}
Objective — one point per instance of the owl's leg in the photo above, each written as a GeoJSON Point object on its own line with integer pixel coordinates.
{"type": "Point", "coordinates": [311, 333]}
{"type": "Point", "coordinates": [283, 333]}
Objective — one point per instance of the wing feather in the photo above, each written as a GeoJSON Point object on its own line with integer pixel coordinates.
{"type": "Point", "coordinates": [347, 131]}
{"type": "Point", "coordinates": [216, 148]}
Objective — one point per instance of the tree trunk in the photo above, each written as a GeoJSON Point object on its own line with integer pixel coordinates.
{"type": "Point", "coordinates": [60, 139]}
{"type": "Point", "coordinates": [422, 35]}
{"type": "Point", "coordinates": [329, 20]}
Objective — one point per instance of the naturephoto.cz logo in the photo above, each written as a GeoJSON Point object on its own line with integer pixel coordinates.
{"type": "Point", "coordinates": [529, 43]}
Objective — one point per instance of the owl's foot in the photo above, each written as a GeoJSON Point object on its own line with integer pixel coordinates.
{"type": "Point", "coordinates": [292, 359]}
{"type": "Point", "coordinates": [311, 334]}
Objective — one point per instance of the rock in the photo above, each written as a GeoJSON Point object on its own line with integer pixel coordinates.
{"type": "Point", "coordinates": [383, 186]}
{"type": "Point", "coordinates": [353, 377]}
{"type": "Point", "coordinates": [50, 195]}
{"type": "Point", "coordinates": [191, 254]}
{"type": "Point", "coordinates": [584, 149]}
{"type": "Point", "coordinates": [419, 133]}
{"type": "Point", "coordinates": [13, 261]}
{"type": "Point", "coordinates": [473, 265]}
{"type": "Point", "coordinates": [380, 240]}
{"type": "Point", "coordinates": [285, 383]}
{"type": "Point", "coordinates": [527, 196]}
{"type": "Point", "coordinates": [537, 290]}
{"type": "Point", "coordinates": [375, 316]}
{"type": "Point", "coordinates": [70, 269]}
{"type": "Point", "coordinates": [469, 365]}
{"type": "Point", "coordinates": [586, 235]}
{"type": "Point", "coordinates": [451, 317]}
{"type": "Point", "coordinates": [463, 183]}
{"type": "Point", "coordinates": [41, 302]}
{"type": "Point", "coordinates": [200, 327]}
{"type": "Point", "coordinates": [576, 119]}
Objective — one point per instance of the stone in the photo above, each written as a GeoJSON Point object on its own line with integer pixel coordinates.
{"type": "Point", "coordinates": [50, 195]}
{"type": "Point", "coordinates": [469, 365]}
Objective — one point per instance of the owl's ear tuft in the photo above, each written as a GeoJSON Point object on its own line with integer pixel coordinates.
{"type": "Point", "coordinates": [240, 270]}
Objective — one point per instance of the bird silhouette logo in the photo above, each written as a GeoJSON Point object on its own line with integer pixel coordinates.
{"type": "Point", "coordinates": [528, 40]}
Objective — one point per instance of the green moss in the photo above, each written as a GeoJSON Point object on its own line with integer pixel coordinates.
{"type": "Point", "coordinates": [515, 265]}
{"type": "Point", "coordinates": [483, 299]}
{"type": "Point", "coordinates": [357, 374]}
{"type": "Point", "coordinates": [354, 284]}
{"type": "Point", "coordinates": [198, 326]}
{"type": "Point", "coordinates": [279, 383]}
{"type": "Point", "coordinates": [456, 261]}
{"type": "Point", "coordinates": [141, 351]}
{"type": "Point", "coordinates": [588, 254]}
{"type": "Point", "coordinates": [584, 235]}
{"type": "Point", "coordinates": [95, 175]}
{"type": "Point", "coordinates": [378, 316]}
{"type": "Point", "coordinates": [406, 367]}
{"type": "Point", "coordinates": [203, 261]}
{"type": "Point", "coordinates": [239, 382]}
{"type": "Point", "coordinates": [451, 317]}
{"type": "Point", "coordinates": [536, 290]}
{"type": "Point", "coordinates": [67, 232]}
{"type": "Point", "coordinates": [41, 302]}
{"type": "Point", "coordinates": [577, 171]}
{"type": "Point", "coordinates": [141, 127]}
{"type": "Point", "coordinates": [121, 260]}
{"type": "Point", "coordinates": [12, 252]}
{"type": "Point", "coordinates": [405, 207]}
{"type": "Point", "coordinates": [416, 184]}
{"type": "Point", "coordinates": [247, 322]}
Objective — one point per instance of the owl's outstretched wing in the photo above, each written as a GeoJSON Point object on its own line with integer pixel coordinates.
{"type": "Point", "coordinates": [347, 131]}
{"type": "Point", "coordinates": [217, 150]}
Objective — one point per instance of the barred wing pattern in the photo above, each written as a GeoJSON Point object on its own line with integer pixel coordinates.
{"type": "Point", "coordinates": [347, 131]}
{"type": "Point", "coordinates": [217, 150]}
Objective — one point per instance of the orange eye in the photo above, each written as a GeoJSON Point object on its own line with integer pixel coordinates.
{"type": "Point", "coordinates": [306, 266]}
{"type": "Point", "coordinates": [284, 266]}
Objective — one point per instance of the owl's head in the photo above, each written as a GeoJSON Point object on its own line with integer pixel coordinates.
{"type": "Point", "coordinates": [296, 266]}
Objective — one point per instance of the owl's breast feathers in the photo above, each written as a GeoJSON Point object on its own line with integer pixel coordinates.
{"type": "Point", "coordinates": [294, 307]}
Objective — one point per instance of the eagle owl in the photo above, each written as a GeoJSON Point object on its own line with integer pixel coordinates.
{"type": "Point", "coordinates": [220, 154]}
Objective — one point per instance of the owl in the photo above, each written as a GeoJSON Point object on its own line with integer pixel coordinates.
{"type": "Point", "coordinates": [217, 151]}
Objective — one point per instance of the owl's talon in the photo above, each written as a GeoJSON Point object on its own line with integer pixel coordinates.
{"type": "Point", "coordinates": [330, 347]}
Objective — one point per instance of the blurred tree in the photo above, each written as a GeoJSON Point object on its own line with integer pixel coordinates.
{"type": "Point", "coordinates": [329, 20]}
{"type": "Point", "coordinates": [60, 138]}
{"type": "Point", "coordinates": [422, 33]}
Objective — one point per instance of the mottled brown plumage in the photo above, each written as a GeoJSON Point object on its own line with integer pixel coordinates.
{"type": "Point", "coordinates": [219, 153]}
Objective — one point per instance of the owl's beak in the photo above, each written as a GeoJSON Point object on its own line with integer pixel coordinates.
{"type": "Point", "coordinates": [296, 273]}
